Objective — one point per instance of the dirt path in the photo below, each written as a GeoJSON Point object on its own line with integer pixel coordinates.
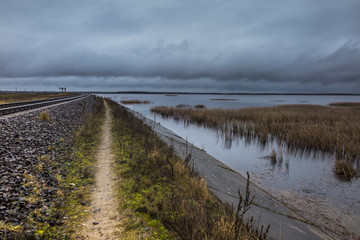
{"type": "Point", "coordinates": [104, 218]}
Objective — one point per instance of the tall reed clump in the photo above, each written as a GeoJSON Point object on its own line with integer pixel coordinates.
{"type": "Point", "coordinates": [345, 170]}
{"type": "Point", "coordinates": [331, 129]}
{"type": "Point", "coordinates": [172, 200]}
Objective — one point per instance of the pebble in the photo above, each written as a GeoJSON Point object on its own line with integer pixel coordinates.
{"type": "Point", "coordinates": [30, 150]}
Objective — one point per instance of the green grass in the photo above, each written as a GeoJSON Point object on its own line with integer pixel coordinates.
{"type": "Point", "coordinates": [161, 193]}
{"type": "Point", "coordinates": [77, 178]}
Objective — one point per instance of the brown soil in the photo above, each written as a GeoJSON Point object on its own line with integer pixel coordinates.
{"type": "Point", "coordinates": [104, 217]}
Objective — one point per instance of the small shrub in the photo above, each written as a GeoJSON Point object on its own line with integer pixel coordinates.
{"type": "Point", "coordinates": [44, 115]}
{"type": "Point", "coordinates": [345, 169]}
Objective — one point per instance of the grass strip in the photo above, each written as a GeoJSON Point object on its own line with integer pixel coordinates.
{"type": "Point", "coordinates": [161, 197]}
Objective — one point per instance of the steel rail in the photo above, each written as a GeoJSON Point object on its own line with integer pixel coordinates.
{"type": "Point", "coordinates": [13, 104]}
{"type": "Point", "coordinates": [24, 107]}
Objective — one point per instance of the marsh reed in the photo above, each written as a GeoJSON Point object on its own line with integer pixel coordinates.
{"type": "Point", "coordinates": [330, 129]}
{"type": "Point", "coordinates": [134, 101]}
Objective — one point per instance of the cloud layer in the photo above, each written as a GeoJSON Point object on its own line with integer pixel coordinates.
{"type": "Point", "coordinates": [236, 45]}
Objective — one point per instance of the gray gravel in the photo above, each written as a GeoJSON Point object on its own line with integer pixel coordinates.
{"type": "Point", "coordinates": [30, 150]}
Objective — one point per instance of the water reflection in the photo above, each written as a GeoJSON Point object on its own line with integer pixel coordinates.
{"type": "Point", "coordinates": [229, 139]}
{"type": "Point", "coordinates": [281, 153]}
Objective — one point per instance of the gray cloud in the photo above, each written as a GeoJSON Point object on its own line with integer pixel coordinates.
{"type": "Point", "coordinates": [237, 45]}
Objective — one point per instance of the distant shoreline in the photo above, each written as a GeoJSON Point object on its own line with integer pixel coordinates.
{"type": "Point", "coordinates": [215, 93]}
{"type": "Point", "coordinates": [196, 93]}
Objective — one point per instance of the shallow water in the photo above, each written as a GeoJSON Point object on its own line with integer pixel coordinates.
{"type": "Point", "coordinates": [307, 174]}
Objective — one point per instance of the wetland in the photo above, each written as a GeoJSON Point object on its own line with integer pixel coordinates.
{"type": "Point", "coordinates": [302, 176]}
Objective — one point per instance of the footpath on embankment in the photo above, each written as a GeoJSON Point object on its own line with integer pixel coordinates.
{"type": "Point", "coordinates": [103, 222]}
{"type": "Point", "coordinates": [224, 182]}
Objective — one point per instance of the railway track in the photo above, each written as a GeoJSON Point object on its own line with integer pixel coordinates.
{"type": "Point", "coordinates": [9, 108]}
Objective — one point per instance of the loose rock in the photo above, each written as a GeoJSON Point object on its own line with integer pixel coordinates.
{"type": "Point", "coordinates": [30, 153]}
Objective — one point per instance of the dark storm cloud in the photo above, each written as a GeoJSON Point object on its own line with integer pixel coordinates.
{"type": "Point", "coordinates": [228, 45]}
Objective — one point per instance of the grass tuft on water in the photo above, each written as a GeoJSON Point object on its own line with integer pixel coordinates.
{"type": "Point", "coordinates": [345, 170]}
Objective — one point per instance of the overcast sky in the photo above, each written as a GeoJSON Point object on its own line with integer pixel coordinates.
{"type": "Point", "coordinates": [187, 45]}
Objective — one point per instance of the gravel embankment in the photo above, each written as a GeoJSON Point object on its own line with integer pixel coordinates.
{"type": "Point", "coordinates": [30, 150]}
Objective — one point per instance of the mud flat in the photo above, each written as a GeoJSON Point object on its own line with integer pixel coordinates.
{"type": "Point", "coordinates": [285, 223]}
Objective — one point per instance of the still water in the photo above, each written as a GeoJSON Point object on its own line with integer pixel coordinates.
{"type": "Point", "coordinates": [308, 174]}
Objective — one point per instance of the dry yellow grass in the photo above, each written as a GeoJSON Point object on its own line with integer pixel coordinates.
{"type": "Point", "coordinates": [331, 129]}
{"type": "Point", "coordinates": [345, 170]}
{"type": "Point", "coordinates": [44, 115]}
{"type": "Point", "coordinates": [6, 97]}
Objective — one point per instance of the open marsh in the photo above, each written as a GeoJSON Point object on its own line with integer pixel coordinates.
{"type": "Point", "coordinates": [333, 130]}
{"type": "Point", "coordinates": [304, 178]}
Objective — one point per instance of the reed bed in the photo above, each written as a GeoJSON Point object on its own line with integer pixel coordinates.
{"type": "Point", "coordinates": [199, 106]}
{"type": "Point", "coordinates": [135, 101]}
{"type": "Point", "coordinates": [330, 129]}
